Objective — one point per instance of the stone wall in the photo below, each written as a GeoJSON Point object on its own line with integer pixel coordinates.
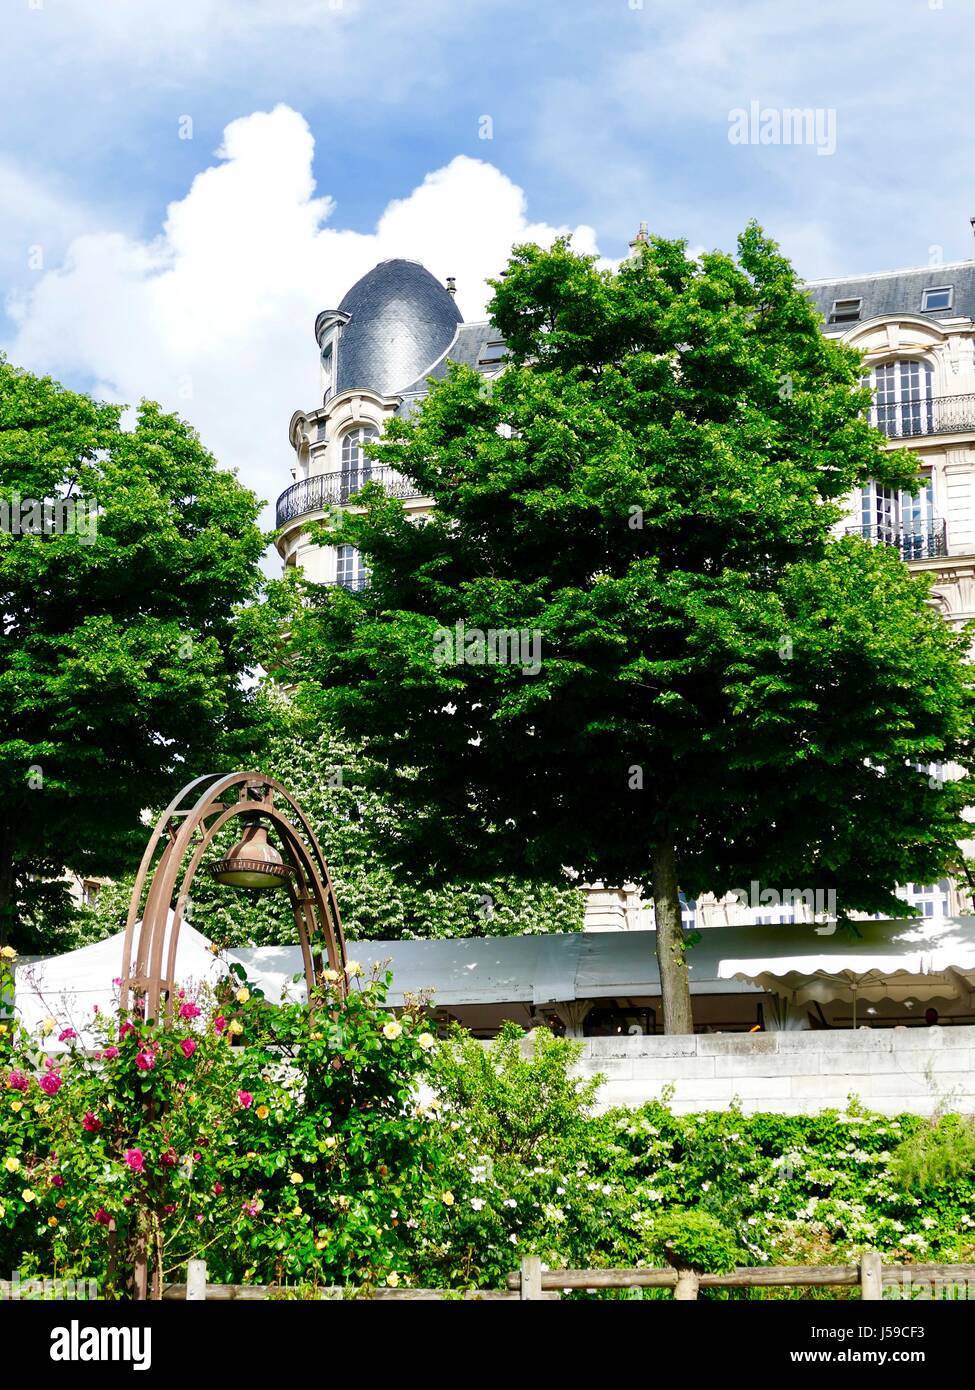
{"type": "Point", "coordinates": [890, 1070]}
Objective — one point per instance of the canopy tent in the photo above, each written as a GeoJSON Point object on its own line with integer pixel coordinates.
{"type": "Point", "coordinates": [920, 959]}
{"type": "Point", "coordinates": [69, 988]}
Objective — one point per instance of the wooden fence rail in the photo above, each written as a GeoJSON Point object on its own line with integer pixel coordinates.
{"type": "Point", "coordinates": [532, 1283]}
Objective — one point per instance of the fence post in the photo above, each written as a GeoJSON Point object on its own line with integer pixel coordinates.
{"type": "Point", "coordinates": [196, 1280]}
{"type": "Point", "coordinates": [687, 1283]}
{"type": "Point", "coordinates": [871, 1276]}
{"type": "Point", "coordinates": [531, 1277]}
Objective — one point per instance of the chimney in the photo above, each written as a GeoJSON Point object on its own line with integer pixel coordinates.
{"type": "Point", "coordinates": [971, 221]}
{"type": "Point", "coordinates": [451, 284]}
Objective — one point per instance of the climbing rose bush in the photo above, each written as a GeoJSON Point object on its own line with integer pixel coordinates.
{"type": "Point", "coordinates": [274, 1143]}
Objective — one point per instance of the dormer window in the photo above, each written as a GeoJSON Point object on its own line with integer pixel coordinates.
{"type": "Point", "coordinates": [938, 297]}
{"type": "Point", "coordinates": [845, 310]}
{"type": "Point", "coordinates": [491, 352]}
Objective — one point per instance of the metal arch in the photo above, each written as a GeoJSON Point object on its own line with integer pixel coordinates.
{"type": "Point", "coordinates": [189, 826]}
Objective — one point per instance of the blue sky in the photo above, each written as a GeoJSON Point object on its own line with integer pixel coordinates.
{"type": "Point", "coordinates": [133, 261]}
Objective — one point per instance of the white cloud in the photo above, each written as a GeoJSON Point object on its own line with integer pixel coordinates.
{"type": "Point", "coordinates": [214, 316]}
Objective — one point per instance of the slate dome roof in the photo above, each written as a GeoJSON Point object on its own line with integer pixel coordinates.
{"type": "Point", "coordinates": [402, 320]}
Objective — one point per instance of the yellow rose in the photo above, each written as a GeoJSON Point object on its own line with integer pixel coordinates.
{"type": "Point", "coordinates": [242, 995]}
{"type": "Point", "coordinates": [7, 953]}
{"type": "Point", "coordinates": [296, 1178]}
{"type": "Point", "coordinates": [12, 1164]}
{"type": "Point", "coordinates": [392, 1279]}
{"type": "Point", "coordinates": [353, 968]}
{"type": "Point", "coordinates": [3, 1211]}
{"type": "Point", "coordinates": [448, 1199]}
{"type": "Point", "coordinates": [331, 976]}
{"type": "Point", "coordinates": [3, 1029]}
{"type": "Point", "coordinates": [60, 1204]}
{"type": "Point", "coordinates": [320, 1244]}
{"type": "Point", "coordinates": [426, 1041]}
{"type": "Point", "coordinates": [52, 1221]}
{"type": "Point", "coordinates": [392, 1029]}
{"type": "Point", "coordinates": [16, 1105]}
{"type": "Point", "coordinates": [235, 1026]}
{"type": "Point", "coordinates": [262, 1112]}
{"type": "Point", "coordinates": [330, 1142]}
{"type": "Point", "coordinates": [27, 1195]}
{"type": "Point", "coordinates": [48, 1026]}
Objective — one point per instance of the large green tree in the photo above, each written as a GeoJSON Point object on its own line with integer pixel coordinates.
{"type": "Point", "coordinates": [119, 663]}
{"type": "Point", "coordinates": [727, 689]}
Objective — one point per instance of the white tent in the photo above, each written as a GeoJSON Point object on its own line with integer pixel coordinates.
{"type": "Point", "coordinates": [922, 959]}
{"type": "Point", "coordinates": [69, 988]}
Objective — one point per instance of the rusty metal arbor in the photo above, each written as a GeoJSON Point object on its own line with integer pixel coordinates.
{"type": "Point", "coordinates": [186, 831]}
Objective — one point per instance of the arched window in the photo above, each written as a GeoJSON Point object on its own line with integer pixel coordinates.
{"type": "Point", "coordinates": [356, 467]}
{"type": "Point", "coordinates": [903, 398]}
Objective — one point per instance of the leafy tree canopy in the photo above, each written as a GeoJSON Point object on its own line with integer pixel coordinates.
{"type": "Point", "coordinates": [727, 689]}
{"type": "Point", "coordinates": [120, 664]}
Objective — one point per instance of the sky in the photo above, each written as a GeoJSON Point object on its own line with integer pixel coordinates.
{"type": "Point", "coordinates": [184, 184]}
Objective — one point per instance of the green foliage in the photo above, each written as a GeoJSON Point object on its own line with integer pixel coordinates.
{"type": "Point", "coordinates": [120, 663]}
{"type": "Point", "coordinates": [298, 1153]}
{"type": "Point", "coordinates": [516, 1096]}
{"type": "Point", "coordinates": [695, 1239]}
{"type": "Point", "coordinates": [381, 895]}
{"type": "Point", "coordinates": [939, 1153]}
{"type": "Point", "coordinates": [651, 487]}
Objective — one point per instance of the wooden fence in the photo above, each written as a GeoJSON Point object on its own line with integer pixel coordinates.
{"type": "Point", "coordinates": [532, 1282]}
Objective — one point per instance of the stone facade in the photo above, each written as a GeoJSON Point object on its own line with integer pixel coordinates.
{"type": "Point", "coordinates": [918, 1070]}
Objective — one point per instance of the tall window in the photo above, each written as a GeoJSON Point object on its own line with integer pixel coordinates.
{"type": "Point", "coordinates": [893, 517]}
{"type": "Point", "coordinates": [903, 398]}
{"type": "Point", "coordinates": [356, 467]}
{"type": "Point", "coordinates": [350, 568]}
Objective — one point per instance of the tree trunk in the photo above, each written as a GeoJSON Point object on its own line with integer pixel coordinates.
{"type": "Point", "coordinates": [675, 990]}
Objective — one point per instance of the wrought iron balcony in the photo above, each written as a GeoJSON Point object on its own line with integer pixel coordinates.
{"type": "Point", "coordinates": [324, 490]}
{"type": "Point", "coordinates": [361, 581]}
{"type": "Point", "coordinates": [928, 542]}
{"type": "Point", "coordinates": [936, 415]}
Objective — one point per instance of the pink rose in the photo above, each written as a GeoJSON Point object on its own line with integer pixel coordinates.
{"type": "Point", "coordinates": [250, 1208]}
{"type": "Point", "coordinates": [57, 1180]}
{"type": "Point", "coordinates": [197, 1156]}
{"type": "Point", "coordinates": [168, 1158]}
{"type": "Point", "coordinates": [67, 1035]}
{"type": "Point", "coordinates": [217, 1189]}
{"type": "Point", "coordinates": [219, 1024]}
{"type": "Point", "coordinates": [145, 1061]}
{"type": "Point", "coordinates": [91, 1122]}
{"type": "Point", "coordinates": [51, 1083]}
{"type": "Point", "coordinates": [169, 1208]}
{"type": "Point", "coordinates": [125, 1030]}
{"type": "Point", "coordinates": [189, 1011]}
{"type": "Point", "coordinates": [187, 1047]}
{"type": "Point", "coordinates": [110, 1053]}
{"type": "Point", "coordinates": [199, 1216]}
{"type": "Point", "coordinates": [102, 1217]}
{"type": "Point", "coordinates": [136, 1160]}
{"type": "Point", "coordinates": [18, 1081]}
{"type": "Point", "coordinates": [245, 1099]}
{"type": "Point", "coordinates": [117, 981]}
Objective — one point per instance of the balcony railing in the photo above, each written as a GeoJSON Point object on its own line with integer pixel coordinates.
{"type": "Point", "coordinates": [324, 490]}
{"type": "Point", "coordinates": [936, 415]}
{"type": "Point", "coordinates": [914, 542]}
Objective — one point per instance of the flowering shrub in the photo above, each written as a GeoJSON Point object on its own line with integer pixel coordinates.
{"type": "Point", "coordinates": [274, 1143]}
{"type": "Point", "coordinates": [282, 1146]}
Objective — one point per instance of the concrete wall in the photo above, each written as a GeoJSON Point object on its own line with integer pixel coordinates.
{"type": "Point", "coordinates": [890, 1070]}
